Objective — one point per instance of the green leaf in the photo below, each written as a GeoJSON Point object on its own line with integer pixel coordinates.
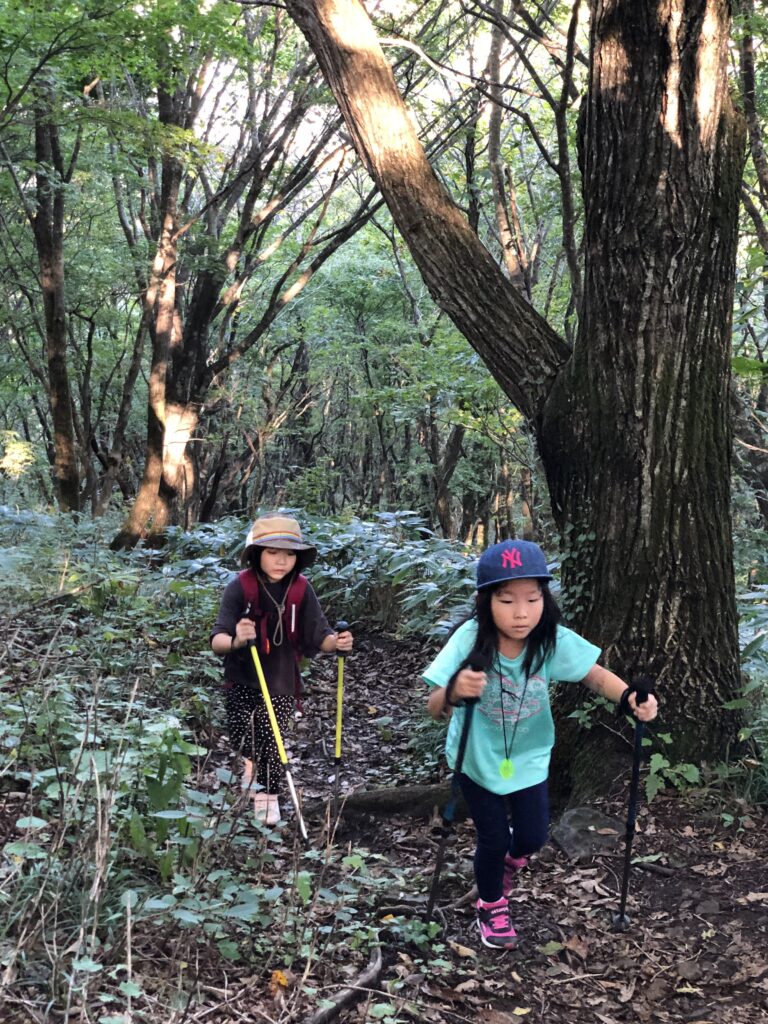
{"type": "Point", "coordinates": [229, 950]}
{"type": "Point", "coordinates": [380, 1010]}
{"type": "Point", "coordinates": [138, 834]}
{"type": "Point", "coordinates": [689, 772]}
{"type": "Point", "coordinates": [242, 911]}
{"type": "Point", "coordinates": [187, 916]}
{"type": "Point", "coordinates": [88, 964]}
{"type": "Point", "coordinates": [129, 988]}
{"type": "Point", "coordinates": [653, 785]}
{"type": "Point", "coordinates": [28, 851]}
{"type": "Point", "coordinates": [160, 903]}
{"type": "Point", "coordinates": [746, 367]}
{"type": "Point", "coordinates": [551, 948]}
{"type": "Point", "coordinates": [31, 822]}
{"type": "Point", "coordinates": [304, 886]}
{"type": "Point", "coordinates": [755, 644]}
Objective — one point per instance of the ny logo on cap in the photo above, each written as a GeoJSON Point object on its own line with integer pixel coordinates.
{"type": "Point", "coordinates": [511, 559]}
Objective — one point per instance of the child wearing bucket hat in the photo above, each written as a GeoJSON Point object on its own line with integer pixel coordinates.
{"type": "Point", "coordinates": [274, 606]}
{"type": "Point", "coordinates": [515, 629]}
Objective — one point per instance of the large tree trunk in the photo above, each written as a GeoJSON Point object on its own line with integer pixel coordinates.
{"type": "Point", "coordinates": [633, 429]}
{"type": "Point", "coordinates": [636, 433]}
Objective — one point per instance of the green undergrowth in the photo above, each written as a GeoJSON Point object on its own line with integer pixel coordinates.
{"type": "Point", "coordinates": [125, 848]}
{"type": "Point", "coordinates": [128, 875]}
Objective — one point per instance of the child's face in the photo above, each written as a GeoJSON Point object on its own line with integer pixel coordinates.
{"type": "Point", "coordinates": [276, 563]}
{"type": "Point", "coordinates": [517, 607]}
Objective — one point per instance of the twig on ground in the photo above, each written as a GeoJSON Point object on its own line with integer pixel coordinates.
{"type": "Point", "coordinates": [366, 980]}
{"type": "Point", "coordinates": [655, 869]}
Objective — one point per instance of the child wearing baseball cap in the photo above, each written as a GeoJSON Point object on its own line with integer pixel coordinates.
{"type": "Point", "coordinates": [516, 631]}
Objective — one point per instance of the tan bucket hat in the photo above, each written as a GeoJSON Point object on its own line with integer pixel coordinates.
{"type": "Point", "coordinates": [277, 531]}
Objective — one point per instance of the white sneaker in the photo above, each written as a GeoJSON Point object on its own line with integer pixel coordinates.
{"type": "Point", "coordinates": [266, 808]}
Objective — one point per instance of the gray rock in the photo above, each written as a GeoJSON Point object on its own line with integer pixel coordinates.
{"type": "Point", "coordinates": [584, 832]}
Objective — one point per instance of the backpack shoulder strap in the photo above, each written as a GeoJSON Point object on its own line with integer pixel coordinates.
{"type": "Point", "coordinates": [250, 584]}
{"type": "Point", "coordinates": [294, 600]}
{"type": "Point", "coordinates": [297, 590]}
{"type": "Point", "coordinates": [249, 581]}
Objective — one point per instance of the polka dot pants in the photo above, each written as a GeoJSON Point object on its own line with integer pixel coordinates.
{"type": "Point", "coordinates": [250, 731]}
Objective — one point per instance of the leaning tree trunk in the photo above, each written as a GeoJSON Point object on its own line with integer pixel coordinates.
{"type": "Point", "coordinates": [636, 434]}
{"type": "Point", "coordinates": [633, 427]}
{"type": "Point", "coordinates": [460, 273]}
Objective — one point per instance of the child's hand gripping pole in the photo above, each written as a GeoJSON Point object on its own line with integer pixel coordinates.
{"type": "Point", "coordinates": [340, 627]}
{"type": "Point", "coordinates": [278, 738]}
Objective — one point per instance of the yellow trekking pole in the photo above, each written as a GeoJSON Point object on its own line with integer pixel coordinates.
{"type": "Point", "coordinates": [341, 627]}
{"type": "Point", "coordinates": [278, 738]}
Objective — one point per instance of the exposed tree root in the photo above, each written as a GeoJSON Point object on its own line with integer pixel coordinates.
{"type": "Point", "coordinates": [413, 801]}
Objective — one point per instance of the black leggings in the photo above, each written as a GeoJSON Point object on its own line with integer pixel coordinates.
{"type": "Point", "coordinates": [250, 732]}
{"type": "Point", "coordinates": [527, 811]}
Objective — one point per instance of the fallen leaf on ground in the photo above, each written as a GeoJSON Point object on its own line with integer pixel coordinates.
{"type": "Point", "coordinates": [460, 950]}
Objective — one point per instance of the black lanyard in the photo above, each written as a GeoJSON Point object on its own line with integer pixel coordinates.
{"type": "Point", "coordinates": [507, 768]}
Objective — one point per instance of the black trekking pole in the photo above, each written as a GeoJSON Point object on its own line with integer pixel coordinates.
{"type": "Point", "coordinates": [445, 829]}
{"type": "Point", "coordinates": [621, 921]}
{"type": "Point", "coordinates": [341, 627]}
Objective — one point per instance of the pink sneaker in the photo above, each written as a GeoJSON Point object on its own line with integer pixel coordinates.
{"type": "Point", "coordinates": [495, 927]}
{"type": "Point", "coordinates": [512, 867]}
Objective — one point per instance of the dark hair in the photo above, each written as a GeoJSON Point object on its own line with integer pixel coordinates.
{"type": "Point", "coordinates": [253, 558]}
{"type": "Point", "coordinates": [253, 553]}
{"type": "Point", "coordinates": [540, 642]}
{"type": "Point", "coordinates": [253, 561]}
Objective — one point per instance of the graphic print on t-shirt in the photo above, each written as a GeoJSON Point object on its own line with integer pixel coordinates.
{"type": "Point", "coordinates": [501, 699]}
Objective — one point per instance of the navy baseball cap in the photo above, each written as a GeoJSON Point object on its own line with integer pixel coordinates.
{"type": "Point", "coordinates": [511, 560]}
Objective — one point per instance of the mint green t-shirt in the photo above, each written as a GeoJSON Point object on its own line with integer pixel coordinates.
{"type": "Point", "coordinates": [499, 710]}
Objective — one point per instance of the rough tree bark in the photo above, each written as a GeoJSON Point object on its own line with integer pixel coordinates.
{"type": "Point", "coordinates": [636, 433]}
{"type": "Point", "coordinates": [47, 221]}
{"type": "Point", "coordinates": [632, 427]}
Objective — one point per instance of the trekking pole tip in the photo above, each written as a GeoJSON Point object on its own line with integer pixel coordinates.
{"type": "Point", "coordinates": [621, 922]}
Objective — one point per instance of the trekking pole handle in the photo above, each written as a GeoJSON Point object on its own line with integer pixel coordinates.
{"type": "Point", "coordinates": [247, 615]}
{"type": "Point", "coordinates": [465, 701]}
{"type": "Point", "coordinates": [642, 692]}
{"type": "Point", "coordinates": [341, 626]}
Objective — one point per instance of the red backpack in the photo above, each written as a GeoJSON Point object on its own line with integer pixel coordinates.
{"type": "Point", "coordinates": [249, 581]}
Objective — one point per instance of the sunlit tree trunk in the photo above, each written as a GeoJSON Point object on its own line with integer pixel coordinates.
{"type": "Point", "coordinates": [633, 428]}
{"type": "Point", "coordinates": [151, 510]}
